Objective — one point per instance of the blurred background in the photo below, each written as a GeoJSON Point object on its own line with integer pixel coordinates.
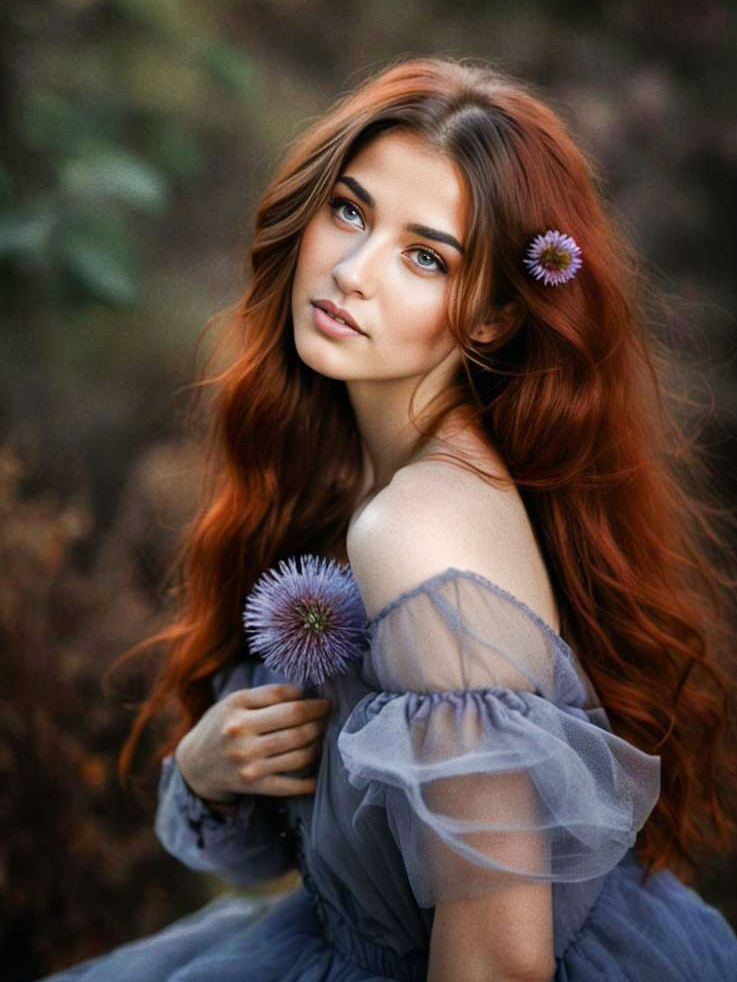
{"type": "Point", "coordinates": [135, 139]}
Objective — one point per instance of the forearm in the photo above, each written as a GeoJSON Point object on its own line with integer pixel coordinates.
{"type": "Point", "coordinates": [467, 967]}
{"type": "Point", "coordinates": [442, 972]}
{"type": "Point", "coordinates": [502, 936]}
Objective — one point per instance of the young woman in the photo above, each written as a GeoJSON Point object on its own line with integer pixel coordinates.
{"type": "Point", "coordinates": [445, 378]}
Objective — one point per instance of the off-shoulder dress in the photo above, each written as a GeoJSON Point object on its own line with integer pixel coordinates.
{"type": "Point", "coordinates": [440, 776]}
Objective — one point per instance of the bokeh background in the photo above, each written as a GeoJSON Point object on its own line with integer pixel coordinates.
{"type": "Point", "coordinates": [136, 137]}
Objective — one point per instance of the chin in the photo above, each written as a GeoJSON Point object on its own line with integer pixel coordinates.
{"type": "Point", "coordinates": [316, 353]}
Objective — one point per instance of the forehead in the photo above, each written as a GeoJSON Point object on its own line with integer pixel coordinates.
{"type": "Point", "coordinates": [412, 181]}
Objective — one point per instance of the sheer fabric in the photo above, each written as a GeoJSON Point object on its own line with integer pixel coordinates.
{"type": "Point", "coordinates": [479, 744]}
{"type": "Point", "coordinates": [482, 749]}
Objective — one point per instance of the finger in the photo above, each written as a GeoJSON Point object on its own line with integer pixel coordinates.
{"type": "Point", "coordinates": [287, 714]}
{"type": "Point", "coordinates": [290, 761]}
{"type": "Point", "coordinates": [266, 695]}
{"type": "Point", "coordinates": [290, 738]}
{"type": "Point", "coordinates": [277, 784]}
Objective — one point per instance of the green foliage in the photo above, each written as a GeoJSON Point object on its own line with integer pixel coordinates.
{"type": "Point", "coordinates": [108, 174]}
{"type": "Point", "coordinates": [134, 138]}
{"type": "Point", "coordinates": [98, 255]}
{"type": "Point", "coordinates": [230, 68]}
{"type": "Point", "coordinates": [26, 230]}
{"type": "Point", "coordinates": [103, 140]}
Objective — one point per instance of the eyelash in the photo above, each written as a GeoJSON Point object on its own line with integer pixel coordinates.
{"type": "Point", "coordinates": [337, 203]}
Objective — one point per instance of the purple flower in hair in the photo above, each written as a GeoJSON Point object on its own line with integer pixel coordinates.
{"type": "Point", "coordinates": [307, 624]}
{"type": "Point", "coordinates": [553, 258]}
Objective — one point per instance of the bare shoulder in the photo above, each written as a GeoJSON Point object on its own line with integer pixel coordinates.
{"type": "Point", "coordinates": [436, 514]}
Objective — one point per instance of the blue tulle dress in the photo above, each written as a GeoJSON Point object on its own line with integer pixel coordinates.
{"type": "Point", "coordinates": [466, 750]}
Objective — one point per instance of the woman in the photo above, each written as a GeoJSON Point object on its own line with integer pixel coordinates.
{"type": "Point", "coordinates": [444, 378]}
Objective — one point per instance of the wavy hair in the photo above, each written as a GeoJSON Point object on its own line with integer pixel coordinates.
{"type": "Point", "coordinates": [572, 395]}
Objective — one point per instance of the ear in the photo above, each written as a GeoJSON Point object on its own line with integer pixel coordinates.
{"type": "Point", "coordinates": [505, 322]}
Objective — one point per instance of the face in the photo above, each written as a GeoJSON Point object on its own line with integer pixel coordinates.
{"type": "Point", "coordinates": [384, 248]}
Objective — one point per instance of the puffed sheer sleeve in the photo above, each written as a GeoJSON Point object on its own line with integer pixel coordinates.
{"type": "Point", "coordinates": [243, 845]}
{"type": "Point", "coordinates": [484, 744]}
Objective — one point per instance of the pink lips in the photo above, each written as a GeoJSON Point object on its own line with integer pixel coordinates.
{"type": "Point", "coordinates": [329, 325]}
{"type": "Point", "coordinates": [337, 311]}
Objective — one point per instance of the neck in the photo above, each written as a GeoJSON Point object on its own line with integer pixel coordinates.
{"type": "Point", "coordinates": [389, 436]}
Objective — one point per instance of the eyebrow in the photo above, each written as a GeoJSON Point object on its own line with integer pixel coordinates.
{"type": "Point", "coordinates": [429, 233]}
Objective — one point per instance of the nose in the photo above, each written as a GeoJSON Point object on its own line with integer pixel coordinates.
{"type": "Point", "coordinates": [356, 270]}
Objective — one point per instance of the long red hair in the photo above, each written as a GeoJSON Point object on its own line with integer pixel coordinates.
{"type": "Point", "coordinates": [571, 396]}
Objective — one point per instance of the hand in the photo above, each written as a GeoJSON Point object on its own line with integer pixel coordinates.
{"type": "Point", "coordinates": [248, 742]}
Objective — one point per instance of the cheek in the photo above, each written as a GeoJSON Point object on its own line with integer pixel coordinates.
{"type": "Point", "coordinates": [421, 316]}
{"type": "Point", "coordinates": [415, 337]}
{"type": "Point", "coordinates": [303, 267]}
{"type": "Point", "coordinates": [314, 251]}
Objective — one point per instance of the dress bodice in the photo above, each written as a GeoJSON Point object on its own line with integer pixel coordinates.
{"type": "Point", "coordinates": [465, 751]}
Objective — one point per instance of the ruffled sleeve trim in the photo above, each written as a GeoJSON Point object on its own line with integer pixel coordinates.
{"type": "Point", "coordinates": [208, 825]}
{"type": "Point", "coordinates": [493, 780]}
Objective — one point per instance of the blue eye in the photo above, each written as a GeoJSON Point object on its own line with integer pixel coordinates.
{"type": "Point", "coordinates": [439, 264]}
{"type": "Point", "coordinates": [337, 203]}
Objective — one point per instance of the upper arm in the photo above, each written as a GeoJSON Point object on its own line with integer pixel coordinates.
{"type": "Point", "coordinates": [426, 521]}
{"type": "Point", "coordinates": [433, 516]}
{"type": "Point", "coordinates": [505, 936]}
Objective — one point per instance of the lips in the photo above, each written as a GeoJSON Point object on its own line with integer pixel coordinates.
{"type": "Point", "coordinates": [338, 312]}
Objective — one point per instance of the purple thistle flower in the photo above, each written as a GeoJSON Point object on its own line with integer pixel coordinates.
{"type": "Point", "coordinates": [553, 258]}
{"type": "Point", "coordinates": [306, 624]}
